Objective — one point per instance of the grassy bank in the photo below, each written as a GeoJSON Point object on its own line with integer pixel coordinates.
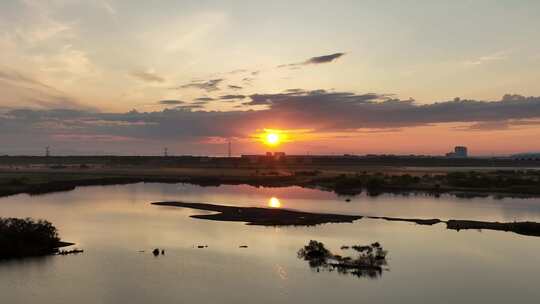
{"type": "Point", "coordinates": [473, 183]}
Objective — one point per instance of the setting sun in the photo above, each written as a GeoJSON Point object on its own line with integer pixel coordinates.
{"type": "Point", "coordinates": [272, 139]}
{"type": "Point", "coordinates": [274, 202]}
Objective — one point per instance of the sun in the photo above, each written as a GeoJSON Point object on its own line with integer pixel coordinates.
{"type": "Point", "coordinates": [272, 139]}
{"type": "Point", "coordinates": [274, 202]}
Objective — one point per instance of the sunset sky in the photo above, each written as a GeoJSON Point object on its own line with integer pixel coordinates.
{"type": "Point", "coordinates": [130, 77]}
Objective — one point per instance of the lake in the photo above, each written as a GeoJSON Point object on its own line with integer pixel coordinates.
{"type": "Point", "coordinates": [113, 224]}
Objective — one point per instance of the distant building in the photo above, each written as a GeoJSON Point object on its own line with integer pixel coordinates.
{"type": "Point", "coordinates": [269, 156]}
{"type": "Point", "coordinates": [279, 155]}
{"type": "Point", "coordinates": [459, 152]}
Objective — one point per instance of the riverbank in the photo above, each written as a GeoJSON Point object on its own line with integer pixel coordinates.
{"type": "Point", "coordinates": [500, 183]}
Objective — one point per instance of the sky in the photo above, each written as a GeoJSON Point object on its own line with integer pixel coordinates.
{"type": "Point", "coordinates": [131, 77]}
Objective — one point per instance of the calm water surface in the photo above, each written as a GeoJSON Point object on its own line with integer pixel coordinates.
{"type": "Point", "coordinates": [113, 223]}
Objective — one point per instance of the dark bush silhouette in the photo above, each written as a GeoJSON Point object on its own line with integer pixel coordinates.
{"type": "Point", "coordinates": [369, 261]}
{"type": "Point", "coordinates": [27, 237]}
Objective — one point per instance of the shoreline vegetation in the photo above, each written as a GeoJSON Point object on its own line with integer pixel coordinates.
{"type": "Point", "coordinates": [27, 237]}
{"type": "Point", "coordinates": [286, 217]}
{"type": "Point", "coordinates": [498, 183]}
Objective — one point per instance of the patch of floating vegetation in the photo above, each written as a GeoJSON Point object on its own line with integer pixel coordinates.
{"type": "Point", "coordinates": [369, 261]}
{"type": "Point", "coordinates": [28, 237]}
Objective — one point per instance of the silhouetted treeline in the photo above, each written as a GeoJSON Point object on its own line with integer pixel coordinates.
{"type": "Point", "coordinates": [27, 237]}
{"type": "Point", "coordinates": [503, 181]}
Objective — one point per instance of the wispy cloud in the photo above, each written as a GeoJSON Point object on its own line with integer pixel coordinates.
{"type": "Point", "coordinates": [232, 97]}
{"type": "Point", "coordinates": [18, 78]}
{"type": "Point", "coordinates": [488, 58]}
{"type": "Point", "coordinates": [170, 102]}
{"type": "Point", "coordinates": [314, 60]}
{"type": "Point", "coordinates": [147, 76]}
{"type": "Point", "coordinates": [204, 99]}
{"type": "Point", "coordinates": [209, 86]}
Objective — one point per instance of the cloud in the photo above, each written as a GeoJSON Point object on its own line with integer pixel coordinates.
{"type": "Point", "coordinates": [108, 8]}
{"type": "Point", "coordinates": [324, 59]}
{"type": "Point", "coordinates": [24, 90]}
{"type": "Point", "coordinates": [209, 86]}
{"type": "Point", "coordinates": [189, 107]}
{"type": "Point", "coordinates": [487, 58]}
{"type": "Point", "coordinates": [321, 111]}
{"type": "Point", "coordinates": [147, 76]}
{"type": "Point", "coordinates": [232, 96]}
{"type": "Point", "coordinates": [18, 78]}
{"type": "Point", "coordinates": [234, 87]}
{"type": "Point", "coordinates": [314, 60]}
{"type": "Point", "coordinates": [500, 125]}
{"type": "Point", "coordinates": [170, 102]}
{"type": "Point", "coordinates": [238, 71]}
{"type": "Point", "coordinates": [205, 99]}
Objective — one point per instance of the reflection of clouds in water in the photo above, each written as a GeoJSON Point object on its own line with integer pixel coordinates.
{"type": "Point", "coordinates": [282, 273]}
{"type": "Point", "coordinates": [274, 202]}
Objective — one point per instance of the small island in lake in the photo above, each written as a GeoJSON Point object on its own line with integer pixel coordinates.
{"type": "Point", "coordinates": [369, 261]}
{"type": "Point", "coordinates": [285, 217]}
{"type": "Point", "coordinates": [262, 216]}
{"type": "Point", "coordinates": [28, 237]}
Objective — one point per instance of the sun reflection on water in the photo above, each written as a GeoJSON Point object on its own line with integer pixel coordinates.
{"type": "Point", "coordinates": [274, 202]}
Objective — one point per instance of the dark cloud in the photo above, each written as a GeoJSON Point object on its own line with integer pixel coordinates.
{"type": "Point", "coordinates": [147, 76]}
{"type": "Point", "coordinates": [199, 103]}
{"type": "Point", "coordinates": [294, 91]}
{"type": "Point", "coordinates": [319, 110]}
{"type": "Point", "coordinates": [170, 102]}
{"type": "Point", "coordinates": [209, 86]}
{"type": "Point", "coordinates": [324, 59]}
{"type": "Point", "coordinates": [189, 107]}
{"type": "Point", "coordinates": [232, 96]}
{"type": "Point", "coordinates": [235, 87]}
{"type": "Point", "coordinates": [499, 125]}
{"type": "Point", "coordinates": [314, 60]}
{"type": "Point", "coordinates": [205, 99]}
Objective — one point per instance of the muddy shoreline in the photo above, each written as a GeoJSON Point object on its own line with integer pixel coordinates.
{"type": "Point", "coordinates": [287, 217]}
